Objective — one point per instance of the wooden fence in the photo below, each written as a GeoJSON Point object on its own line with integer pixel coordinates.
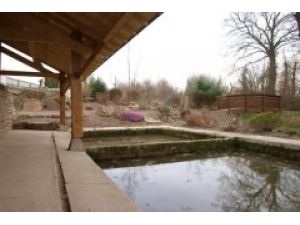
{"type": "Point", "coordinates": [250, 103]}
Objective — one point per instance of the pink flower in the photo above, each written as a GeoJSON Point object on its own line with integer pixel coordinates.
{"type": "Point", "coordinates": [132, 116]}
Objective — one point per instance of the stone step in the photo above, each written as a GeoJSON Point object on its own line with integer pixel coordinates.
{"type": "Point", "coordinates": [36, 125]}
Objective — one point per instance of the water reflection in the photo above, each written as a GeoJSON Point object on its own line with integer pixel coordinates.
{"type": "Point", "coordinates": [211, 183]}
{"type": "Point", "coordinates": [257, 184]}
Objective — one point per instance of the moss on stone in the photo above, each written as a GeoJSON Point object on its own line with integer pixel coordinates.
{"type": "Point", "coordinates": [194, 143]}
{"type": "Point", "coordinates": [145, 131]}
{"type": "Point", "coordinates": [158, 149]}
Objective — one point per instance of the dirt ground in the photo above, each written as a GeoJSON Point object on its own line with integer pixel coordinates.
{"type": "Point", "coordinates": [92, 118]}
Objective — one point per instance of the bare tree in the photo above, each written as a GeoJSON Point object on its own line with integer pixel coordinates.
{"type": "Point", "coordinates": [288, 82]}
{"type": "Point", "coordinates": [250, 81]}
{"type": "Point", "coordinates": [132, 74]}
{"type": "Point", "coordinates": [129, 67]}
{"type": "Point", "coordinates": [293, 80]}
{"type": "Point", "coordinates": [286, 72]}
{"type": "Point", "coordinates": [259, 36]}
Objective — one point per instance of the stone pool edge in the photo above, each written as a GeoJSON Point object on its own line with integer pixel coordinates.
{"type": "Point", "coordinates": [88, 188]}
{"type": "Point", "coordinates": [273, 145]}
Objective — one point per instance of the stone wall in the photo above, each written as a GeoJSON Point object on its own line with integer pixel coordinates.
{"type": "Point", "coordinates": [35, 100]}
{"type": "Point", "coordinates": [7, 110]}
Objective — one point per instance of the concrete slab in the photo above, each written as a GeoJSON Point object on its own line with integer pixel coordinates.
{"type": "Point", "coordinates": [87, 186]}
{"type": "Point", "coordinates": [28, 172]}
{"type": "Point", "coordinates": [62, 140]}
{"type": "Point", "coordinates": [98, 198]}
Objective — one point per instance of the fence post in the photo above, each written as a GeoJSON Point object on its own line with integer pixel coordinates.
{"type": "Point", "coordinates": [263, 103]}
{"type": "Point", "coordinates": [245, 104]}
{"type": "Point", "coordinates": [186, 103]}
{"type": "Point", "coordinates": [279, 104]}
{"type": "Point", "coordinates": [228, 104]}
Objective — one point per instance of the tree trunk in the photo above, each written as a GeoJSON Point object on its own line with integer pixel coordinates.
{"type": "Point", "coordinates": [293, 89]}
{"type": "Point", "coordinates": [271, 80]}
{"type": "Point", "coordinates": [285, 81]}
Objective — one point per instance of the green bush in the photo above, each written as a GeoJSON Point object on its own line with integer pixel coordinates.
{"type": "Point", "coordinates": [51, 82]}
{"type": "Point", "coordinates": [97, 85]}
{"type": "Point", "coordinates": [164, 112]}
{"type": "Point", "coordinates": [265, 121]}
{"type": "Point", "coordinates": [203, 90]}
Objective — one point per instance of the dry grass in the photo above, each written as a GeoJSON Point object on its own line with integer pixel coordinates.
{"type": "Point", "coordinates": [212, 119]}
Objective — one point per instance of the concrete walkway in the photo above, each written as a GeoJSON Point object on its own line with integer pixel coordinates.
{"type": "Point", "coordinates": [29, 174]}
{"type": "Point", "coordinates": [38, 174]}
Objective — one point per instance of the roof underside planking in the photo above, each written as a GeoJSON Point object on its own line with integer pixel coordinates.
{"type": "Point", "coordinates": [51, 37]}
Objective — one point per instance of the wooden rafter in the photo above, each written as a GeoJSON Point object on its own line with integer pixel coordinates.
{"type": "Point", "coordinates": [28, 74]}
{"type": "Point", "coordinates": [40, 27]}
{"type": "Point", "coordinates": [35, 65]}
{"type": "Point", "coordinates": [118, 25]}
{"type": "Point", "coordinates": [24, 48]}
{"type": "Point", "coordinates": [70, 23]}
{"type": "Point", "coordinates": [22, 35]}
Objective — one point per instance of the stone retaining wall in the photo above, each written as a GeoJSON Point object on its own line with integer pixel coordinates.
{"type": "Point", "coordinates": [36, 100]}
{"type": "Point", "coordinates": [7, 110]}
{"type": "Point", "coordinates": [281, 147]}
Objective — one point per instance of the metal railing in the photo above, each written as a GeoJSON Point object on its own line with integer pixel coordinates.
{"type": "Point", "coordinates": [12, 82]}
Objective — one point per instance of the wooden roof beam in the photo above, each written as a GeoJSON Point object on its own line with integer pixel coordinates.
{"type": "Point", "coordinates": [28, 74]}
{"type": "Point", "coordinates": [26, 49]}
{"type": "Point", "coordinates": [35, 64]}
{"type": "Point", "coordinates": [119, 24]}
{"type": "Point", "coordinates": [39, 26]}
{"type": "Point", "coordinates": [22, 35]}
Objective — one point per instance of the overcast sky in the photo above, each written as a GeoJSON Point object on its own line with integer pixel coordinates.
{"type": "Point", "coordinates": [173, 47]}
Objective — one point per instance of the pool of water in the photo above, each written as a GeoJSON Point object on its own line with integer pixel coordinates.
{"type": "Point", "coordinates": [210, 182]}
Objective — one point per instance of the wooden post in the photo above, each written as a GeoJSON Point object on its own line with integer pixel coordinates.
{"type": "Point", "coordinates": [279, 104]}
{"type": "Point", "coordinates": [186, 103]}
{"type": "Point", "coordinates": [263, 103]}
{"type": "Point", "coordinates": [245, 103]}
{"type": "Point", "coordinates": [76, 97]}
{"type": "Point", "coordinates": [228, 104]}
{"type": "Point", "coordinates": [62, 108]}
{"type": "Point", "coordinates": [0, 63]}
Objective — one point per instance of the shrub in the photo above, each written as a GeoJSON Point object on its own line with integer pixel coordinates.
{"type": "Point", "coordinates": [173, 99]}
{"type": "Point", "coordinates": [184, 114]}
{"type": "Point", "coordinates": [290, 119]}
{"type": "Point", "coordinates": [132, 116]}
{"type": "Point", "coordinates": [202, 119]}
{"type": "Point", "coordinates": [97, 85]}
{"type": "Point", "coordinates": [133, 94]}
{"type": "Point", "coordinates": [265, 121]}
{"type": "Point", "coordinates": [115, 94]}
{"type": "Point", "coordinates": [232, 125]}
{"type": "Point", "coordinates": [203, 90]}
{"type": "Point", "coordinates": [51, 82]}
{"type": "Point", "coordinates": [164, 112]}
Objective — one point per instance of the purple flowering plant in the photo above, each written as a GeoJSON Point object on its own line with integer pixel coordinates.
{"type": "Point", "coordinates": [132, 116]}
